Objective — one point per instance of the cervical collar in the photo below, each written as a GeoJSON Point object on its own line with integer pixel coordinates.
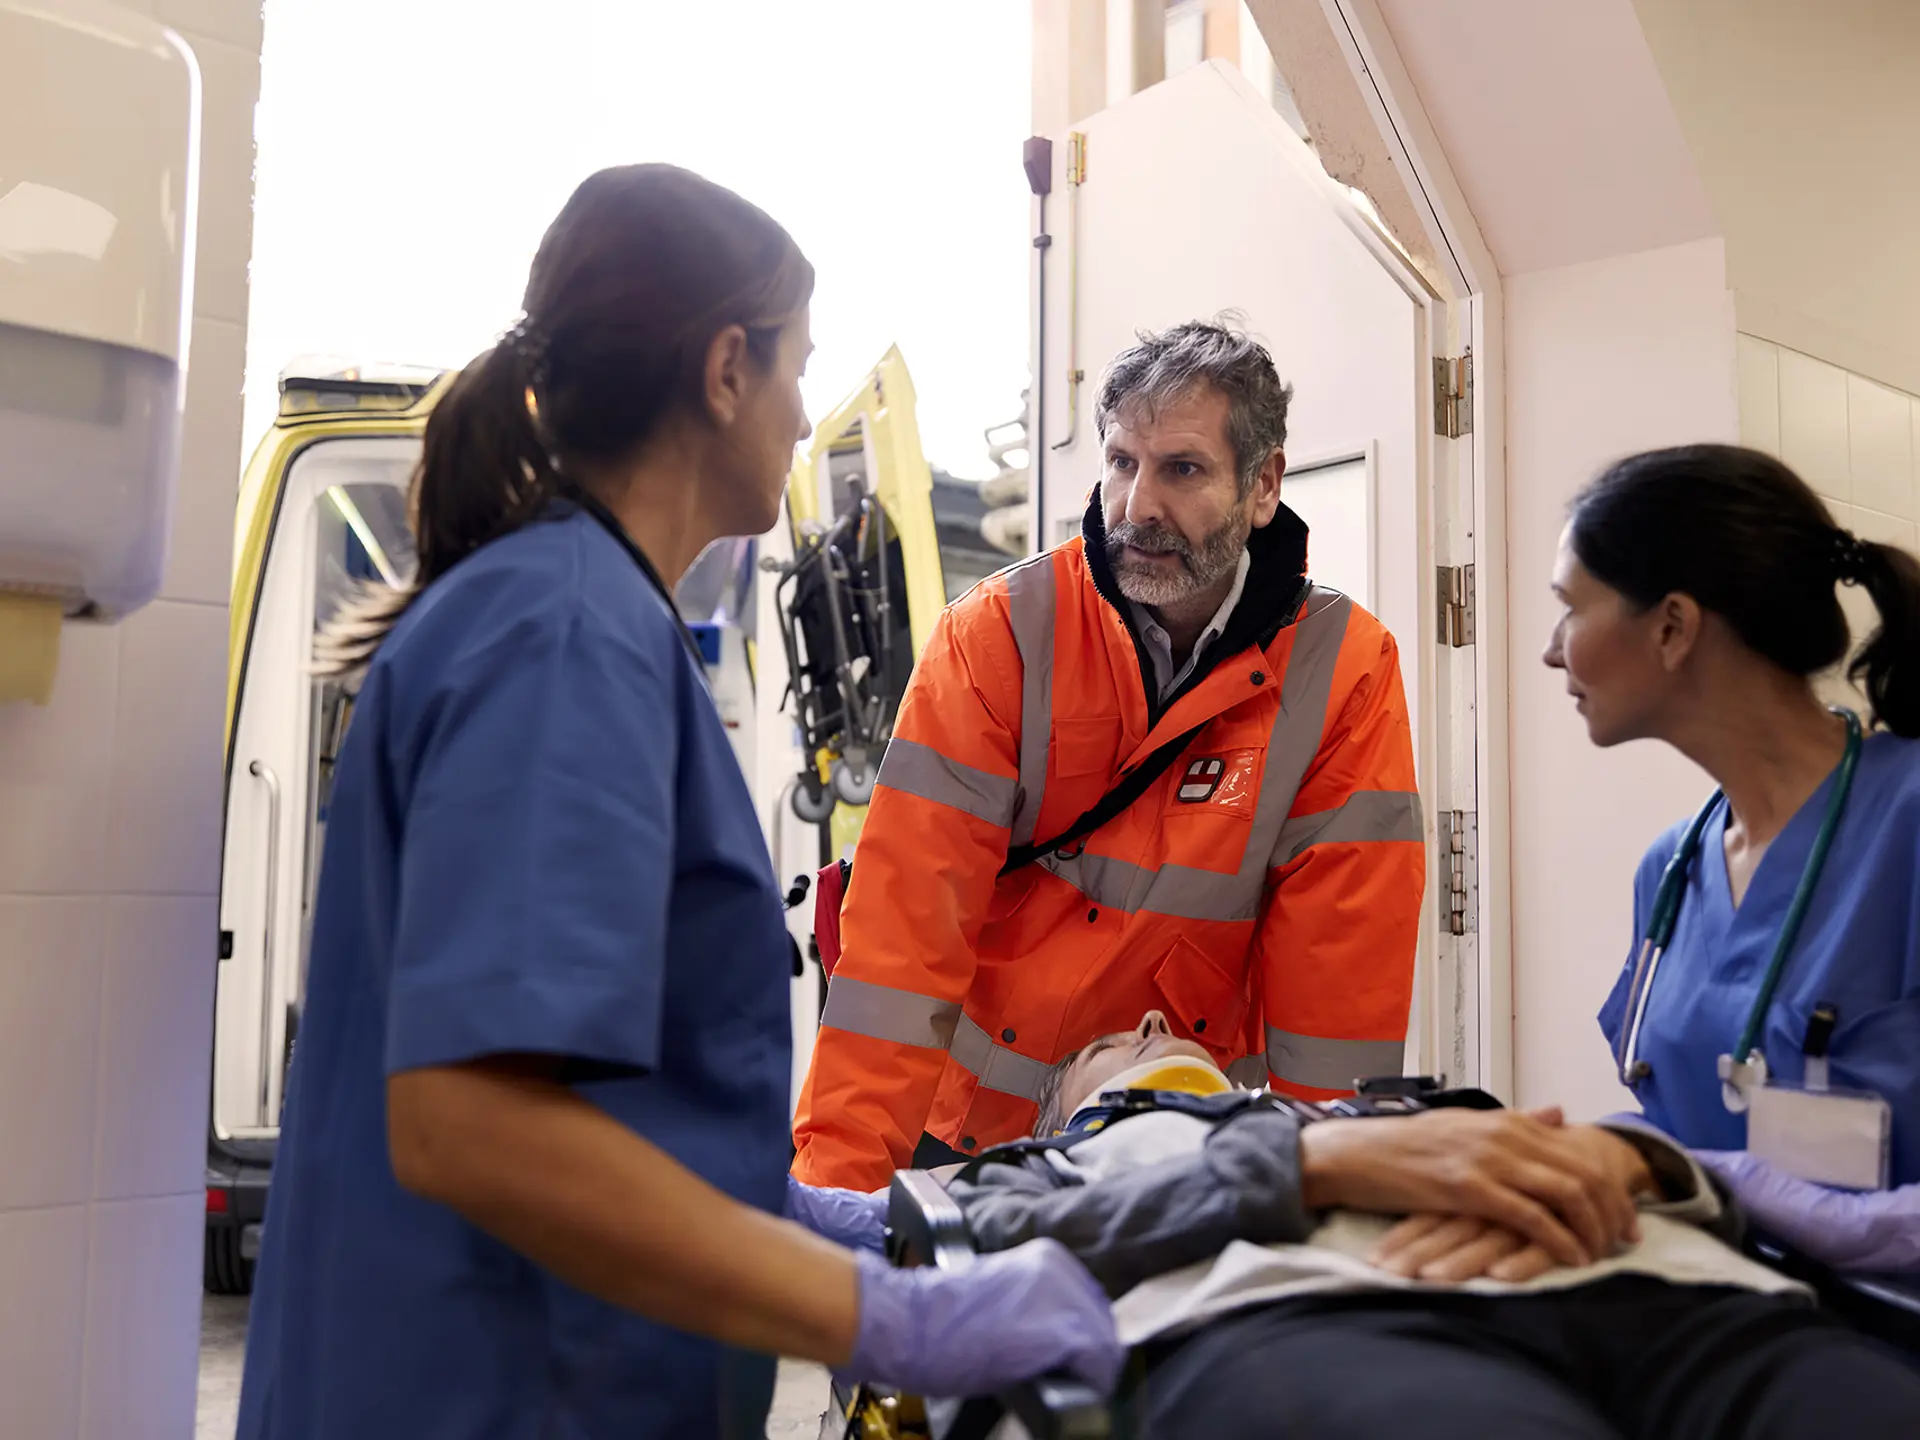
{"type": "Point", "coordinates": [1177, 1072]}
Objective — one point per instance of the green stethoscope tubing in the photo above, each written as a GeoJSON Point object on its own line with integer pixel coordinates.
{"type": "Point", "coordinates": [1673, 889]}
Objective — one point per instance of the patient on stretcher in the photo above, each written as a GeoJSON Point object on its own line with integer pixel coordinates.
{"type": "Point", "coordinates": [1260, 1262]}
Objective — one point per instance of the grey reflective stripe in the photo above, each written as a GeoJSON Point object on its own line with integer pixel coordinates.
{"type": "Point", "coordinates": [886, 1014]}
{"type": "Point", "coordinates": [997, 1067]}
{"type": "Point", "coordinates": [1116, 884]}
{"type": "Point", "coordinates": [1193, 894]}
{"type": "Point", "coordinates": [1177, 890]}
{"type": "Point", "coordinates": [1368, 815]}
{"type": "Point", "coordinates": [916, 769]}
{"type": "Point", "coordinates": [1323, 1064]}
{"type": "Point", "coordinates": [1302, 721]}
{"type": "Point", "coordinates": [1249, 1073]}
{"type": "Point", "coordinates": [1030, 607]}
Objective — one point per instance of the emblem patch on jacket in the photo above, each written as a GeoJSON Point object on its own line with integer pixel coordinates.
{"type": "Point", "coordinates": [1202, 779]}
{"type": "Point", "coordinates": [1228, 780]}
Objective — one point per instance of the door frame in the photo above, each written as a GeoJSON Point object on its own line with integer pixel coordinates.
{"type": "Point", "coordinates": [1476, 315]}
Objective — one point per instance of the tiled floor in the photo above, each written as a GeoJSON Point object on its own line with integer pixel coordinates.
{"type": "Point", "coordinates": [223, 1341]}
{"type": "Point", "coordinates": [797, 1405]}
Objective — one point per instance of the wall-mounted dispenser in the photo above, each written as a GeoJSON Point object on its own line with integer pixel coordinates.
{"type": "Point", "coordinates": [99, 161]}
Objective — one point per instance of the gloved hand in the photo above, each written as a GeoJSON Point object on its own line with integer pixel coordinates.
{"type": "Point", "coordinates": [1007, 1317]}
{"type": "Point", "coordinates": [1875, 1230]}
{"type": "Point", "coordinates": [851, 1218]}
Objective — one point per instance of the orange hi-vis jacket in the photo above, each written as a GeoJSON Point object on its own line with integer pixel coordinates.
{"type": "Point", "coordinates": [1264, 893]}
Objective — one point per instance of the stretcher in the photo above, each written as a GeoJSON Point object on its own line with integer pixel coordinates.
{"type": "Point", "coordinates": [925, 1226]}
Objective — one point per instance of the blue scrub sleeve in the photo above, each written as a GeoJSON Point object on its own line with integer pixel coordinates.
{"type": "Point", "coordinates": [537, 855]}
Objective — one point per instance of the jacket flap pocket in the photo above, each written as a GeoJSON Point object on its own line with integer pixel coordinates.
{"type": "Point", "coordinates": [1084, 746]}
{"type": "Point", "coordinates": [1208, 1001]}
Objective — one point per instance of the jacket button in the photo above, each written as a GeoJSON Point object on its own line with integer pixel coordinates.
{"type": "Point", "coordinates": [1259, 677]}
{"type": "Point", "coordinates": [1092, 915]}
{"type": "Point", "coordinates": [966, 1142]}
{"type": "Point", "coordinates": [1007, 1035]}
{"type": "Point", "coordinates": [1200, 1027]}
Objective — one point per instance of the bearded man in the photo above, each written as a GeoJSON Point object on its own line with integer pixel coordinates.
{"type": "Point", "coordinates": [1156, 768]}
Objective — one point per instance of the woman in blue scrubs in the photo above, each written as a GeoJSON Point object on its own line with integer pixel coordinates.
{"type": "Point", "coordinates": [1699, 587]}
{"type": "Point", "coordinates": [532, 1173]}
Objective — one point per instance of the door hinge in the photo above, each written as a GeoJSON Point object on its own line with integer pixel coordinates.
{"type": "Point", "coordinates": [1453, 395]}
{"type": "Point", "coordinates": [1459, 872]}
{"type": "Point", "coordinates": [1456, 605]}
{"type": "Point", "coordinates": [1077, 158]}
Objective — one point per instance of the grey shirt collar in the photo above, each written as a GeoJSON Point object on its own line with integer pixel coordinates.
{"type": "Point", "coordinates": [1160, 644]}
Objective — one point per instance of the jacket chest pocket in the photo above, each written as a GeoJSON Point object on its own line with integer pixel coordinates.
{"type": "Point", "coordinates": [1205, 997]}
{"type": "Point", "coordinates": [1220, 773]}
{"type": "Point", "coordinates": [1220, 783]}
{"type": "Point", "coordinates": [1080, 747]}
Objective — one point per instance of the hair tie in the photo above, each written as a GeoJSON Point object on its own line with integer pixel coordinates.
{"type": "Point", "coordinates": [1851, 558]}
{"type": "Point", "coordinates": [529, 346]}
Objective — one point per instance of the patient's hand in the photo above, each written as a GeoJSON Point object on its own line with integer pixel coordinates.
{"type": "Point", "coordinates": [1451, 1249]}
{"type": "Point", "coordinates": [1558, 1186]}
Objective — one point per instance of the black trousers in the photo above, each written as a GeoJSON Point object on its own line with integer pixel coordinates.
{"type": "Point", "coordinates": [1625, 1359]}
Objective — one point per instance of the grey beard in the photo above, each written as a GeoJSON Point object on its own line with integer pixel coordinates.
{"type": "Point", "coordinates": [1201, 567]}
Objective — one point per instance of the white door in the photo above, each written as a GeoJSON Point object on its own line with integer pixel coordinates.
{"type": "Point", "coordinates": [340, 521]}
{"type": "Point", "coordinates": [1199, 200]}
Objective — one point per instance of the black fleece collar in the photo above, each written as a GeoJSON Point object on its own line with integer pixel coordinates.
{"type": "Point", "coordinates": [1275, 582]}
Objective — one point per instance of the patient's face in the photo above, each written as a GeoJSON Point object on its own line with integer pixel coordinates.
{"type": "Point", "coordinates": [1122, 1050]}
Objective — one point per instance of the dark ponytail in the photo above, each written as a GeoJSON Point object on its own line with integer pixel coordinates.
{"type": "Point", "coordinates": [1888, 669]}
{"type": "Point", "coordinates": [1749, 540]}
{"type": "Point", "coordinates": [641, 269]}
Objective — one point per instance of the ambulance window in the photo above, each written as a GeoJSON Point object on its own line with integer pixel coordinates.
{"type": "Point", "coordinates": [361, 536]}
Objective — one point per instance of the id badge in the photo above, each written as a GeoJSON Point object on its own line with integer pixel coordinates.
{"type": "Point", "coordinates": [1842, 1138]}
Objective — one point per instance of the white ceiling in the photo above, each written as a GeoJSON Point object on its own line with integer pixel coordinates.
{"type": "Point", "coordinates": [1557, 126]}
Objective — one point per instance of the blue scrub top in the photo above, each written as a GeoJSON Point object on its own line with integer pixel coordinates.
{"type": "Point", "coordinates": [540, 841]}
{"type": "Point", "coordinates": [1859, 948]}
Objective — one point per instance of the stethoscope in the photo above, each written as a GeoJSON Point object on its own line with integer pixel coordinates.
{"type": "Point", "coordinates": [1737, 1076]}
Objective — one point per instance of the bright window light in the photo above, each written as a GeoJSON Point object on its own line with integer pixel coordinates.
{"type": "Point", "coordinates": [410, 156]}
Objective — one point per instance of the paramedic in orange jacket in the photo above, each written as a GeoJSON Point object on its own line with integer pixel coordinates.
{"type": "Point", "coordinates": [1264, 892]}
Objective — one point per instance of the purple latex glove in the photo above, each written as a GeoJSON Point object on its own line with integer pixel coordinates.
{"type": "Point", "coordinates": [851, 1218]}
{"type": "Point", "coordinates": [1877, 1230]}
{"type": "Point", "coordinates": [1009, 1316]}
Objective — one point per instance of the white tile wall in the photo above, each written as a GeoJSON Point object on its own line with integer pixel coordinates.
{"type": "Point", "coordinates": [1880, 444]}
{"type": "Point", "coordinates": [56, 765]}
{"type": "Point", "coordinates": [1759, 380]}
{"type": "Point", "coordinates": [50, 971]}
{"type": "Point", "coordinates": [1813, 423]}
{"type": "Point", "coordinates": [200, 560]}
{"type": "Point", "coordinates": [43, 1257]}
{"type": "Point", "coordinates": [156, 1040]}
{"type": "Point", "coordinates": [230, 86]}
{"type": "Point", "coordinates": [109, 867]}
{"type": "Point", "coordinates": [143, 1320]}
{"type": "Point", "coordinates": [165, 811]}
{"type": "Point", "coordinates": [1854, 440]}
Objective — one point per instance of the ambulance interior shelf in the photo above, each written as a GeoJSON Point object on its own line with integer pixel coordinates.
{"type": "Point", "coordinates": [844, 622]}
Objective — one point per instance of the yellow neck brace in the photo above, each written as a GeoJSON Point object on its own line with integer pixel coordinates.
{"type": "Point", "coordinates": [1181, 1073]}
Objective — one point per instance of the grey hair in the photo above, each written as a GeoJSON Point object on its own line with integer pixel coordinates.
{"type": "Point", "coordinates": [1169, 364]}
{"type": "Point", "coordinates": [1050, 1121]}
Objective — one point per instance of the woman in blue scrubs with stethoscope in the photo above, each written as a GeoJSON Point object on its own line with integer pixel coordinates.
{"type": "Point", "coordinates": [532, 1175]}
{"type": "Point", "coordinates": [1769, 1014]}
